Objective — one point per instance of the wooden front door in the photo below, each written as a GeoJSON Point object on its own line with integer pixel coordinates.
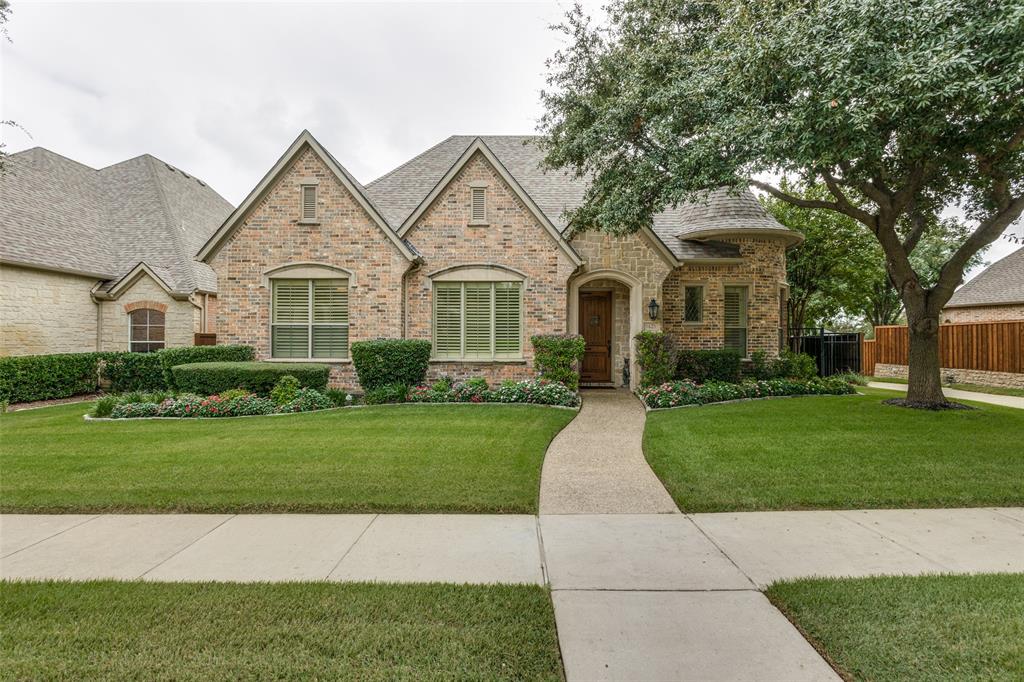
{"type": "Point", "coordinates": [596, 328]}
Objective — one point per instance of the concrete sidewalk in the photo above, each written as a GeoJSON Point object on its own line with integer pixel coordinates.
{"type": "Point", "coordinates": [990, 398]}
{"type": "Point", "coordinates": [636, 596]}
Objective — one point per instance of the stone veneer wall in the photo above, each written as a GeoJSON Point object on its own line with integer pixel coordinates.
{"type": "Point", "coordinates": [620, 321]}
{"type": "Point", "coordinates": [991, 313]}
{"type": "Point", "coordinates": [345, 237]}
{"type": "Point", "coordinates": [512, 238]}
{"type": "Point", "coordinates": [44, 312]}
{"type": "Point", "coordinates": [763, 272]}
{"type": "Point", "coordinates": [958, 376]}
{"type": "Point", "coordinates": [180, 317]}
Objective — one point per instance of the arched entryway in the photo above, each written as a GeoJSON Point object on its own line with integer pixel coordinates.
{"type": "Point", "coordinates": [610, 305]}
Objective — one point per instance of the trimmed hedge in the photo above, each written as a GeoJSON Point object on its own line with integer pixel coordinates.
{"type": "Point", "coordinates": [557, 356]}
{"type": "Point", "coordinates": [386, 362]}
{"type": "Point", "coordinates": [45, 377]}
{"type": "Point", "coordinates": [187, 355]}
{"type": "Point", "coordinates": [133, 371]}
{"type": "Point", "coordinates": [210, 378]}
{"type": "Point", "coordinates": [656, 355]}
{"type": "Point", "coordinates": [709, 365]}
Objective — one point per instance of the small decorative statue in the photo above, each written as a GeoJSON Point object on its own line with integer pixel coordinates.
{"type": "Point", "coordinates": [625, 371]}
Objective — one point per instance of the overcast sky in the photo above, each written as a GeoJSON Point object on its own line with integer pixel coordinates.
{"type": "Point", "coordinates": [221, 89]}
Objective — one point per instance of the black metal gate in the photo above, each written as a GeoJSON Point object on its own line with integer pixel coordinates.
{"type": "Point", "coordinates": [834, 352]}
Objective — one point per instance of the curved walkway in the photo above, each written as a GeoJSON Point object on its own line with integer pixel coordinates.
{"type": "Point", "coordinates": [596, 464]}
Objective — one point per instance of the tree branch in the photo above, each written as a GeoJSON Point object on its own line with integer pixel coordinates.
{"type": "Point", "coordinates": [796, 201]}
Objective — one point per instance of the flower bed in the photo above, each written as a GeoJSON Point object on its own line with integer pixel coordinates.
{"type": "Point", "coordinates": [532, 391]}
{"type": "Point", "coordinates": [235, 403]}
{"type": "Point", "coordinates": [677, 393]}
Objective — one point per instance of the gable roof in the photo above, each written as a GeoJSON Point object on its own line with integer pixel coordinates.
{"type": "Point", "coordinates": [305, 139]}
{"type": "Point", "coordinates": [1001, 283]}
{"type": "Point", "coordinates": [58, 214]}
{"type": "Point", "coordinates": [682, 231]}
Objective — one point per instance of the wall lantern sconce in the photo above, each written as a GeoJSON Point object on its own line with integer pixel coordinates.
{"type": "Point", "coordinates": [653, 308]}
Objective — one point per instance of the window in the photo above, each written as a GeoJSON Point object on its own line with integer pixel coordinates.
{"type": "Point", "coordinates": [478, 206]}
{"type": "Point", "coordinates": [147, 330]}
{"type": "Point", "coordinates": [693, 304]}
{"type": "Point", "coordinates": [736, 319]}
{"type": "Point", "coordinates": [309, 203]}
{"type": "Point", "coordinates": [309, 318]}
{"type": "Point", "coordinates": [478, 320]}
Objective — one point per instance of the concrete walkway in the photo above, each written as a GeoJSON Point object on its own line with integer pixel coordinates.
{"type": "Point", "coordinates": [636, 596]}
{"type": "Point", "coordinates": [991, 398]}
{"type": "Point", "coordinates": [596, 464]}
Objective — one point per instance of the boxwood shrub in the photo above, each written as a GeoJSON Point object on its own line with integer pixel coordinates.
{"type": "Point", "coordinates": [656, 355]}
{"type": "Point", "coordinates": [210, 378]}
{"type": "Point", "coordinates": [187, 355]}
{"type": "Point", "coordinates": [708, 365]}
{"type": "Point", "coordinates": [556, 357]}
{"type": "Point", "coordinates": [386, 362]}
{"type": "Point", "coordinates": [45, 377]}
{"type": "Point", "coordinates": [133, 371]}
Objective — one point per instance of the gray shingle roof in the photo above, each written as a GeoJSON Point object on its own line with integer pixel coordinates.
{"type": "Point", "coordinates": [58, 213]}
{"type": "Point", "coordinates": [399, 192]}
{"type": "Point", "coordinates": [999, 284]}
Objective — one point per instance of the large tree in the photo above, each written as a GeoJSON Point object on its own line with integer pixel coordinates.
{"type": "Point", "coordinates": [900, 107]}
{"type": "Point", "coordinates": [5, 15]}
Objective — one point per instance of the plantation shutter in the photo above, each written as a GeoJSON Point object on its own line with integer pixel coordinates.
{"type": "Point", "coordinates": [478, 320]}
{"type": "Point", "coordinates": [330, 318]}
{"type": "Point", "coordinates": [290, 324]}
{"type": "Point", "coordinates": [736, 319]}
{"type": "Point", "coordinates": [447, 320]}
{"type": "Point", "coordinates": [478, 208]}
{"type": "Point", "coordinates": [507, 320]}
{"type": "Point", "coordinates": [309, 202]}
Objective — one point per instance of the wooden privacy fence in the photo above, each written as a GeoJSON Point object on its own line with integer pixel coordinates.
{"type": "Point", "coordinates": [987, 346]}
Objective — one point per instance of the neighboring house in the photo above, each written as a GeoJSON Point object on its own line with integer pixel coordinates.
{"type": "Point", "coordinates": [103, 259]}
{"type": "Point", "coordinates": [996, 294]}
{"type": "Point", "coordinates": [466, 245]}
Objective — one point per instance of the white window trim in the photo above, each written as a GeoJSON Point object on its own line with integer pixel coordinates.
{"type": "Point", "coordinates": [310, 324]}
{"type": "Point", "coordinates": [494, 359]}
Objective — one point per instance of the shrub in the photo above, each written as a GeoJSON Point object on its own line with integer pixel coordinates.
{"type": "Point", "coordinates": [188, 355]}
{"type": "Point", "coordinates": [339, 398]}
{"type": "Point", "coordinates": [45, 377]}
{"type": "Point", "coordinates": [143, 397]}
{"type": "Point", "coordinates": [210, 378]}
{"type": "Point", "coordinates": [389, 393]}
{"type": "Point", "coordinates": [285, 390]}
{"type": "Point", "coordinates": [537, 392]}
{"type": "Point", "coordinates": [134, 410]}
{"type": "Point", "coordinates": [104, 406]}
{"type": "Point", "coordinates": [685, 392]}
{"type": "Point", "coordinates": [307, 400]}
{"type": "Point", "coordinates": [557, 356]}
{"type": "Point", "coordinates": [788, 365]}
{"type": "Point", "coordinates": [702, 366]}
{"type": "Point", "coordinates": [852, 378]}
{"type": "Point", "coordinates": [473, 390]}
{"type": "Point", "coordinates": [233, 393]}
{"type": "Point", "coordinates": [133, 371]}
{"type": "Point", "coordinates": [656, 355]}
{"type": "Point", "coordinates": [386, 362]}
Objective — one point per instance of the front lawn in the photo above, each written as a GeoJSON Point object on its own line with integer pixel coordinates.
{"type": "Point", "coordinates": [977, 388]}
{"type": "Point", "coordinates": [192, 631]}
{"type": "Point", "coordinates": [833, 452]}
{"type": "Point", "coordinates": [919, 628]}
{"type": "Point", "coordinates": [410, 458]}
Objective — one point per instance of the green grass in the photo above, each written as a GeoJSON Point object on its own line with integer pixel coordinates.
{"type": "Point", "coordinates": [920, 628]}
{"type": "Point", "coordinates": [204, 631]}
{"type": "Point", "coordinates": [977, 388]}
{"type": "Point", "coordinates": [410, 458]}
{"type": "Point", "coordinates": [833, 452]}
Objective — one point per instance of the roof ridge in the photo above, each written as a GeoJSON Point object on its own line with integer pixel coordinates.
{"type": "Point", "coordinates": [186, 257]}
{"type": "Point", "coordinates": [421, 154]}
{"type": "Point", "coordinates": [40, 148]}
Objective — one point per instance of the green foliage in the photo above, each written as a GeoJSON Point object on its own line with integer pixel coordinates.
{"type": "Point", "coordinates": [186, 355]}
{"type": "Point", "coordinates": [210, 378]}
{"type": "Point", "coordinates": [233, 393]}
{"type": "Point", "coordinates": [134, 410]}
{"type": "Point", "coordinates": [104, 406]}
{"type": "Point", "coordinates": [339, 398]}
{"type": "Point", "coordinates": [388, 393]}
{"type": "Point", "coordinates": [676, 393]}
{"type": "Point", "coordinates": [532, 391]}
{"type": "Point", "coordinates": [852, 378]}
{"type": "Point", "coordinates": [133, 371]}
{"type": "Point", "coordinates": [307, 400]}
{"type": "Point", "coordinates": [656, 355]}
{"type": "Point", "coordinates": [556, 357]}
{"type": "Point", "coordinates": [390, 361]}
{"type": "Point", "coordinates": [788, 365]}
{"type": "Point", "coordinates": [45, 377]}
{"type": "Point", "coordinates": [708, 365]}
{"type": "Point", "coordinates": [285, 390]}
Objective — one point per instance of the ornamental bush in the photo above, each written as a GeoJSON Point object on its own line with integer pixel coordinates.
{"type": "Point", "coordinates": [656, 355]}
{"type": "Point", "coordinates": [685, 392]}
{"type": "Point", "coordinates": [307, 400]}
{"type": "Point", "coordinates": [390, 361]}
{"type": "Point", "coordinates": [187, 355]}
{"type": "Point", "coordinates": [536, 392]}
{"type": "Point", "coordinates": [133, 371]}
{"type": "Point", "coordinates": [389, 393]}
{"type": "Point", "coordinates": [45, 377]}
{"type": "Point", "coordinates": [788, 365]}
{"type": "Point", "coordinates": [556, 357]}
{"type": "Point", "coordinates": [134, 410]}
{"type": "Point", "coordinates": [285, 390]}
{"type": "Point", "coordinates": [701, 366]}
{"type": "Point", "coordinates": [211, 378]}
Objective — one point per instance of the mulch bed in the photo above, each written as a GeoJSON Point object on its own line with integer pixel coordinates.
{"type": "Point", "coordinates": [56, 401]}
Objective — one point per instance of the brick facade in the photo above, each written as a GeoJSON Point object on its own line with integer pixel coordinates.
{"type": "Point", "coordinates": [989, 313]}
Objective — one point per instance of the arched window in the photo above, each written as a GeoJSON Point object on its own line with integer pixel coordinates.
{"type": "Point", "coordinates": [147, 330]}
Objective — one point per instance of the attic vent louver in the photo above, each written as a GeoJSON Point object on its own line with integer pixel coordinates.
{"type": "Point", "coordinates": [309, 202]}
{"type": "Point", "coordinates": [478, 206]}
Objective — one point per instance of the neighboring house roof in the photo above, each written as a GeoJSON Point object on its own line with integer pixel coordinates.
{"type": "Point", "coordinates": [1001, 283]}
{"type": "Point", "coordinates": [683, 230]}
{"type": "Point", "coordinates": [62, 215]}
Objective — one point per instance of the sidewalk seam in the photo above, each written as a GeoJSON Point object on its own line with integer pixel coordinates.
{"type": "Point", "coordinates": [721, 550]}
{"type": "Point", "coordinates": [350, 547]}
{"type": "Point", "coordinates": [168, 558]}
{"type": "Point", "coordinates": [882, 535]}
{"type": "Point", "coordinates": [50, 537]}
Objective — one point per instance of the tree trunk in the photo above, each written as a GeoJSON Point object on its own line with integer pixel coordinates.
{"type": "Point", "coordinates": [925, 381]}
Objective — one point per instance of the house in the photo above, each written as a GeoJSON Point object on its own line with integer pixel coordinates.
{"type": "Point", "coordinates": [467, 245]}
{"type": "Point", "coordinates": [103, 259]}
{"type": "Point", "coordinates": [995, 295]}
